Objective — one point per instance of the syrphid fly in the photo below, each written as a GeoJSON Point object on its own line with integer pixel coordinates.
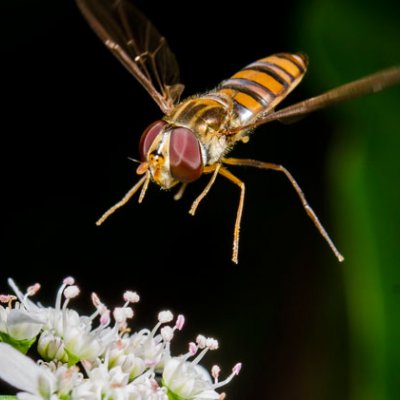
{"type": "Point", "coordinates": [195, 135]}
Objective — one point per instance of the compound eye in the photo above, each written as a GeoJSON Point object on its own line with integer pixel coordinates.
{"type": "Point", "coordinates": [148, 137]}
{"type": "Point", "coordinates": [186, 164]}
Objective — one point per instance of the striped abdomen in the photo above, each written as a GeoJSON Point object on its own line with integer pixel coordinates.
{"type": "Point", "coordinates": [260, 86]}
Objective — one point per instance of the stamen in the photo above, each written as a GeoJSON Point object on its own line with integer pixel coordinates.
{"type": "Point", "coordinates": [100, 307]}
{"type": "Point", "coordinates": [71, 292]}
{"type": "Point", "coordinates": [167, 333]}
{"type": "Point", "coordinates": [32, 290]}
{"type": "Point", "coordinates": [192, 348]}
{"type": "Point", "coordinates": [7, 298]}
{"type": "Point", "coordinates": [69, 280]}
{"type": "Point", "coordinates": [235, 371]}
{"type": "Point", "coordinates": [201, 341]}
{"type": "Point", "coordinates": [131, 297]}
{"type": "Point", "coordinates": [16, 290]}
{"type": "Point", "coordinates": [105, 318]}
{"type": "Point", "coordinates": [180, 321]}
{"type": "Point", "coordinates": [215, 371]}
{"type": "Point", "coordinates": [200, 356]}
{"type": "Point", "coordinates": [165, 316]}
{"type": "Point", "coordinates": [212, 344]}
{"type": "Point", "coordinates": [59, 294]}
{"type": "Point", "coordinates": [121, 314]}
{"type": "Point", "coordinates": [205, 344]}
{"type": "Point", "coordinates": [95, 300]}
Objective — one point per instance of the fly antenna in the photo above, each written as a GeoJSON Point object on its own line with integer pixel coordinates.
{"type": "Point", "coordinates": [134, 160]}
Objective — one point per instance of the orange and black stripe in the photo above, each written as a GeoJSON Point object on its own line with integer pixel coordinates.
{"type": "Point", "coordinates": [199, 113]}
{"type": "Point", "coordinates": [260, 86]}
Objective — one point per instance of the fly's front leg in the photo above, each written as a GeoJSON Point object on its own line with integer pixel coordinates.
{"type": "Point", "coordinates": [178, 195]}
{"type": "Point", "coordinates": [215, 169]}
{"type": "Point", "coordinates": [310, 212]}
{"type": "Point", "coordinates": [123, 201]}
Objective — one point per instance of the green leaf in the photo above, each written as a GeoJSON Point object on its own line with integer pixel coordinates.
{"type": "Point", "coordinates": [7, 397]}
{"type": "Point", "coordinates": [22, 345]}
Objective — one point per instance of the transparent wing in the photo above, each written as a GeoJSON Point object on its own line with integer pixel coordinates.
{"type": "Point", "coordinates": [361, 87]}
{"type": "Point", "coordinates": [138, 45]}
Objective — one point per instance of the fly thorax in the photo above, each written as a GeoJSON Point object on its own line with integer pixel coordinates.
{"type": "Point", "coordinates": [216, 146]}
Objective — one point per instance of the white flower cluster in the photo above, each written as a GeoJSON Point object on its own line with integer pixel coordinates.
{"type": "Point", "coordinates": [102, 362]}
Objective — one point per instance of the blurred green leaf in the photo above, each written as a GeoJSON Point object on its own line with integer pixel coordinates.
{"type": "Point", "coordinates": [346, 40]}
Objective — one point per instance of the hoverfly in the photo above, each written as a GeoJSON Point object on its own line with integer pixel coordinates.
{"type": "Point", "coordinates": [195, 135]}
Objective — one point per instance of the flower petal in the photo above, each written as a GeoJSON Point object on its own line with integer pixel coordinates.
{"type": "Point", "coordinates": [22, 325]}
{"type": "Point", "coordinates": [20, 371]}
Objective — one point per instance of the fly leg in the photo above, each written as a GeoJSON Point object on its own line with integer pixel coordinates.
{"type": "Point", "coordinates": [236, 231]}
{"type": "Point", "coordinates": [215, 169]}
{"type": "Point", "coordinates": [178, 195]}
{"type": "Point", "coordinates": [122, 202]}
{"type": "Point", "coordinates": [218, 169]}
{"type": "Point", "coordinates": [310, 212]}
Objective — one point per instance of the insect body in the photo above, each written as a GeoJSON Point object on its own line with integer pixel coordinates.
{"type": "Point", "coordinates": [199, 131]}
{"type": "Point", "coordinates": [195, 135]}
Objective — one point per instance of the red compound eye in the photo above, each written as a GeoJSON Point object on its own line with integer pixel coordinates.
{"type": "Point", "coordinates": [186, 164]}
{"type": "Point", "coordinates": [148, 137]}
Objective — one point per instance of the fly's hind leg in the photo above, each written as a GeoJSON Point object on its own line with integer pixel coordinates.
{"type": "Point", "coordinates": [310, 212]}
{"type": "Point", "coordinates": [238, 182]}
{"type": "Point", "coordinates": [215, 170]}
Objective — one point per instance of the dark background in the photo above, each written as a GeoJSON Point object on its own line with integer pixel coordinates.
{"type": "Point", "coordinates": [304, 326]}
